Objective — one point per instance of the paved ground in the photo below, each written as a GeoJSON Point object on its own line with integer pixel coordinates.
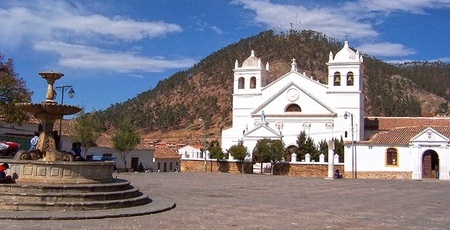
{"type": "Point", "coordinates": [233, 201]}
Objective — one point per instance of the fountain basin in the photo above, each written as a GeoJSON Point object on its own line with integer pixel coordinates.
{"type": "Point", "coordinates": [62, 172]}
{"type": "Point", "coordinates": [50, 108]}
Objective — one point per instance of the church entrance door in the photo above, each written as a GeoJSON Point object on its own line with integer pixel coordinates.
{"type": "Point", "coordinates": [430, 160]}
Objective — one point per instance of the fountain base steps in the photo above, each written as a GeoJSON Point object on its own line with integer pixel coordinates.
{"type": "Point", "coordinates": [66, 197]}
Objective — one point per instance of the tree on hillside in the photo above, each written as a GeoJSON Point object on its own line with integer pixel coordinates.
{"type": "Point", "coordinates": [12, 90]}
{"type": "Point", "coordinates": [87, 130]}
{"type": "Point", "coordinates": [239, 152]}
{"type": "Point", "coordinates": [268, 150]}
{"type": "Point", "coordinates": [125, 139]}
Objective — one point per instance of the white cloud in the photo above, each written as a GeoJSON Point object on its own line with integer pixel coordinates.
{"type": "Point", "coordinates": [412, 6]}
{"type": "Point", "coordinates": [386, 49]}
{"type": "Point", "coordinates": [353, 18]}
{"type": "Point", "coordinates": [56, 20]}
{"type": "Point", "coordinates": [86, 57]}
{"type": "Point", "coordinates": [331, 21]}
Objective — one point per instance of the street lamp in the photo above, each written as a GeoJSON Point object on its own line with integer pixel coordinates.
{"type": "Point", "coordinates": [71, 93]}
{"type": "Point", "coordinates": [353, 144]}
{"type": "Point", "coordinates": [204, 142]}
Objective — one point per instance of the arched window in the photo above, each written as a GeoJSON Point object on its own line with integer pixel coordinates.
{"type": "Point", "coordinates": [337, 79]}
{"type": "Point", "coordinates": [293, 108]}
{"type": "Point", "coordinates": [252, 82]}
{"type": "Point", "coordinates": [350, 78]}
{"type": "Point", "coordinates": [391, 156]}
{"type": "Point", "coordinates": [241, 82]}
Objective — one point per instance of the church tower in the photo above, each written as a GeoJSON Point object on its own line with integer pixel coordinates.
{"type": "Point", "coordinates": [249, 79]}
{"type": "Point", "coordinates": [345, 85]}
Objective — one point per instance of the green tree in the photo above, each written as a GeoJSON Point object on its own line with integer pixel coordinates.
{"type": "Point", "coordinates": [215, 151]}
{"type": "Point", "coordinates": [87, 130]}
{"type": "Point", "coordinates": [239, 152]}
{"type": "Point", "coordinates": [270, 151]}
{"type": "Point", "coordinates": [12, 91]}
{"type": "Point", "coordinates": [323, 148]}
{"type": "Point", "coordinates": [125, 139]}
{"type": "Point", "coordinates": [301, 141]}
{"type": "Point", "coordinates": [311, 148]}
{"type": "Point", "coordinates": [306, 145]}
{"type": "Point", "coordinates": [339, 148]}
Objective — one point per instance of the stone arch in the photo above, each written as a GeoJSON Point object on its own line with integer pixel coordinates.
{"type": "Point", "coordinates": [289, 150]}
{"type": "Point", "coordinates": [337, 78]}
{"type": "Point", "coordinates": [241, 83]}
{"type": "Point", "coordinates": [252, 82]}
{"type": "Point", "coordinates": [293, 108]}
{"type": "Point", "coordinates": [430, 162]}
{"type": "Point", "coordinates": [350, 78]}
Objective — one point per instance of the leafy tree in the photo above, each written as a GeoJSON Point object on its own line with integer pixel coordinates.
{"type": "Point", "coordinates": [239, 152]}
{"type": "Point", "coordinates": [270, 151]}
{"type": "Point", "coordinates": [125, 139]}
{"type": "Point", "coordinates": [87, 130]}
{"type": "Point", "coordinates": [12, 90]}
{"type": "Point", "coordinates": [215, 151]}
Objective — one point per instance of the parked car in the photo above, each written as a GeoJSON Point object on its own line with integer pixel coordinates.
{"type": "Point", "coordinates": [8, 148]}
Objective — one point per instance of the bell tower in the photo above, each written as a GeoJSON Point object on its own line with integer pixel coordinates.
{"type": "Point", "coordinates": [249, 79]}
{"type": "Point", "coordinates": [345, 84]}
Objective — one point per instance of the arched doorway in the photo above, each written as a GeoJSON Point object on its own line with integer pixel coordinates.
{"type": "Point", "coordinates": [430, 162]}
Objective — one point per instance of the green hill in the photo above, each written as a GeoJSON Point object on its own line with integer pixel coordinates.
{"type": "Point", "coordinates": [171, 110]}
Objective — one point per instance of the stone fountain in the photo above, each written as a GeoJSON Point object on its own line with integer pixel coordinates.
{"type": "Point", "coordinates": [50, 180]}
{"type": "Point", "coordinates": [48, 111]}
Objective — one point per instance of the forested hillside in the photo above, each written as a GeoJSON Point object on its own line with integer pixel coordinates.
{"type": "Point", "coordinates": [172, 109]}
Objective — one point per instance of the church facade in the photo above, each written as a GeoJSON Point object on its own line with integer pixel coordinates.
{"type": "Point", "coordinates": [293, 103]}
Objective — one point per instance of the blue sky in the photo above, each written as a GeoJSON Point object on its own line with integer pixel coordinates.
{"type": "Point", "coordinates": [111, 51]}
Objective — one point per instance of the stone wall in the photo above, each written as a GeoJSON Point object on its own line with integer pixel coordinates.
{"type": "Point", "coordinates": [214, 166]}
{"type": "Point", "coordinates": [288, 169]}
{"type": "Point", "coordinates": [381, 175]}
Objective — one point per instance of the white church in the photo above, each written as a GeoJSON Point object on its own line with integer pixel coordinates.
{"type": "Point", "coordinates": [295, 103]}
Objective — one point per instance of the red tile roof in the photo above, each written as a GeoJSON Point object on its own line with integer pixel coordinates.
{"type": "Point", "coordinates": [104, 141]}
{"type": "Point", "coordinates": [389, 123]}
{"type": "Point", "coordinates": [402, 136]}
{"type": "Point", "coordinates": [166, 153]}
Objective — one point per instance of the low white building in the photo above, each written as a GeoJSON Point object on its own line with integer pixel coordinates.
{"type": "Point", "coordinates": [403, 153]}
{"type": "Point", "coordinates": [191, 152]}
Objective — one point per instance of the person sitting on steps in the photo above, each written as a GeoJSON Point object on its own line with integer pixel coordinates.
{"type": "Point", "coordinates": [337, 175]}
{"type": "Point", "coordinates": [3, 177]}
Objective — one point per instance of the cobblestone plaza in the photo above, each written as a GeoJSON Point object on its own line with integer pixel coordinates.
{"type": "Point", "coordinates": [236, 201]}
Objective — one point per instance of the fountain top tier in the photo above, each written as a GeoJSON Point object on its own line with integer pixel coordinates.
{"type": "Point", "coordinates": [49, 106]}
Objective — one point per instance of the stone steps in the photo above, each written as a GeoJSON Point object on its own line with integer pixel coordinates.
{"type": "Point", "coordinates": [75, 206]}
{"type": "Point", "coordinates": [69, 197]}
{"type": "Point", "coordinates": [76, 197]}
{"type": "Point", "coordinates": [118, 185]}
